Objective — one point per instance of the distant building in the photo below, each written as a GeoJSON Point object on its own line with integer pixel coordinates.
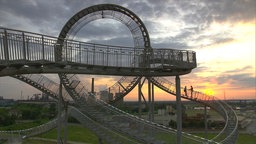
{"type": "Point", "coordinates": [106, 96]}
{"type": "Point", "coordinates": [6, 102]}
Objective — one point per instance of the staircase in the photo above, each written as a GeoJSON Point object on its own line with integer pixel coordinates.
{"type": "Point", "coordinates": [117, 123]}
{"type": "Point", "coordinates": [123, 87]}
{"type": "Point", "coordinates": [123, 123]}
{"type": "Point", "coordinates": [43, 84]}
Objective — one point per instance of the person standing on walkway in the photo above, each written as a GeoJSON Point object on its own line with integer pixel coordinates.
{"type": "Point", "coordinates": [185, 91]}
{"type": "Point", "coordinates": [191, 90]}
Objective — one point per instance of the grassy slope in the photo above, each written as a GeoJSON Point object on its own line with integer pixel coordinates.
{"type": "Point", "coordinates": [75, 133]}
{"type": "Point", "coordinates": [80, 134]}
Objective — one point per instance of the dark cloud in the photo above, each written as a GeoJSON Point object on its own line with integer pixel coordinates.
{"type": "Point", "coordinates": [41, 14]}
{"type": "Point", "coordinates": [141, 9]}
{"type": "Point", "coordinates": [48, 17]}
{"type": "Point", "coordinates": [237, 78]}
{"type": "Point", "coordinates": [118, 41]}
{"type": "Point", "coordinates": [168, 43]}
{"type": "Point", "coordinates": [244, 80]}
{"type": "Point", "coordinates": [106, 31]}
{"type": "Point", "coordinates": [233, 10]}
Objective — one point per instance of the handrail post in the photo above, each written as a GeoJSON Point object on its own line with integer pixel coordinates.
{"type": "Point", "coordinates": [24, 46]}
{"type": "Point", "coordinates": [6, 52]}
{"type": "Point", "coordinates": [43, 47]}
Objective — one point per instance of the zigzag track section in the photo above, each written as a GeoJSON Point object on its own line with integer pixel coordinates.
{"type": "Point", "coordinates": [230, 131]}
{"type": "Point", "coordinates": [227, 136]}
{"type": "Point", "coordinates": [108, 117]}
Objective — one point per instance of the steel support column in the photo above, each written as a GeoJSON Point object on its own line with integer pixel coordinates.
{"type": "Point", "coordinates": [139, 98]}
{"type": "Point", "coordinates": [153, 102]}
{"type": "Point", "coordinates": [205, 122]}
{"type": "Point", "coordinates": [66, 123]}
{"type": "Point", "coordinates": [59, 113]}
{"type": "Point", "coordinates": [149, 101]}
{"type": "Point", "coordinates": [92, 88]}
{"type": "Point", "coordinates": [178, 110]}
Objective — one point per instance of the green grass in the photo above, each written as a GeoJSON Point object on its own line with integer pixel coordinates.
{"type": "Point", "coordinates": [246, 138]}
{"type": "Point", "coordinates": [171, 138]}
{"type": "Point", "coordinates": [79, 133]}
{"type": "Point", "coordinates": [32, 141]}
{"type": "Point", "coordinates": [22, 126]}
{"type": "Point", "coordinates": [242, 138]}
{"type": "Point", "coordinates": [75, 133]}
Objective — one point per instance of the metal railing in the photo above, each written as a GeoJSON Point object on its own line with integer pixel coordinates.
{"type": "Point", "coordinates": [25, 133]}
{"type": "Point", "coordinates": [44, 84]}
{"type": "Point", "coordinates": [26, 47]}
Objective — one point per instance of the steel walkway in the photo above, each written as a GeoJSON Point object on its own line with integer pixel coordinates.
{"type": "Point", "coordinates": [25, 52]}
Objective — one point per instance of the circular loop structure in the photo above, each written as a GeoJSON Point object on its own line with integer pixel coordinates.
{"type": "Point", "coordinates": [131, 20]}
{"type": "Point", "coordinates": [111, 11]}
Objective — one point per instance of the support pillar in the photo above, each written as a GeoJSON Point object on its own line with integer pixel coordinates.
{"type": "Point", "coordinates": [66, 124]}
{"type": "Point", "coordinates": [153, 102]}
{"type": "Point", "coordinates": [178, 110]}
{"type": "Point", "coordinates": [59, 114]}
{"type": "Point", "coordinates": [149, 101]}
{"type": "Point", "coordinates": [139, 98]}
{"type": "Point", "coordinates": [92, 88]}
{"type": "Point", "coordinates": [205, 122]}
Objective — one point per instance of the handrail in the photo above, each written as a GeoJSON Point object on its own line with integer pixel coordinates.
{"type": "Point", "coordinates": [19, 45]}
{"type": "Point", "coordinates": [25, 133]}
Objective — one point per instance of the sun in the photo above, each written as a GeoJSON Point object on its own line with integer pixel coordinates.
{"type": "Point", "coordinates": [209, 92]}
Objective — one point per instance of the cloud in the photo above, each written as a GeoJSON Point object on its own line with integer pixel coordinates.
{"type": "Point", "coordinates": [233, 10]}
{"type": "Point", "coordinates": [184, 24]}
{"type": "Point", "coordinates": [244, 80]}
{"type": "Point", "coordinates": [188, 19]}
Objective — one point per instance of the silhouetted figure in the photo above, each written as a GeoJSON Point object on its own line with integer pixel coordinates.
{"type": "Point", "coordinates": [185, 90]}
{"type": "Point", "coordinates": [191, 90]}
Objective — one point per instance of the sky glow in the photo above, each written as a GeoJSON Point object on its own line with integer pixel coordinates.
{"type": "Point", "coordinates": [221, 32]}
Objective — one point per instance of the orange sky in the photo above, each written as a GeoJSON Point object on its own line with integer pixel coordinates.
{"type": "Point", "coordinates": [224, 69]}
{"type": "Point", "coordinates": [221, 32]}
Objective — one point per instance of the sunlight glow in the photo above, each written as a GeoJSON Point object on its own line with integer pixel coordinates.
{"type": "Point", "coordinates": [209, 92]}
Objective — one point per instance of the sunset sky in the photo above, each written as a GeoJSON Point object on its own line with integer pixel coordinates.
{"type": "Point", "coordinates": [222, 32]}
